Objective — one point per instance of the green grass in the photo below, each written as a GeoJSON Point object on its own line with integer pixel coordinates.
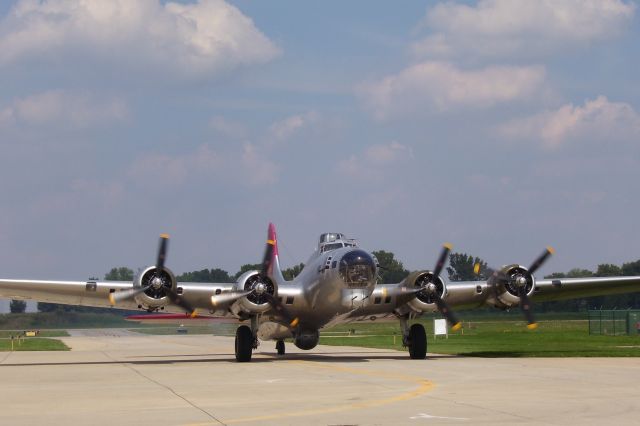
{"type": "Point", "coordinates": [33, 344]}
{"type": "Point", "coordinates": [63, 320]}
{"type": "Point", "coordinates": [5, 334]}
{"type": "Point", "coordinates": [504, 338]}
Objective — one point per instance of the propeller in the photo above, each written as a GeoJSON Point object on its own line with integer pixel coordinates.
{"type": "Point", "coordinates": [433, 290]}
{"type": "Point", "coordinates": [260, 286]}
{"type": "Point", "coordinates": [520, 281]}
{"type": "Point", "coordinates": [157, 282]}
{"type": "Point", "coordinates": [430, 290]}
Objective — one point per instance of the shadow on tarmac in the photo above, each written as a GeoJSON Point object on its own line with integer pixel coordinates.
{"type": "Point", "coordinates": [261, 357]}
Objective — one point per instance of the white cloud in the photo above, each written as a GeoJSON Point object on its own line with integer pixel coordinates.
{"type": "Point", "coordinates": [161, 170]}
{"type": "Point", "coordinates": [598, 120]}
{"type": "Point", "coordinates": [375, 160]}
{"type": "Point", "coordinates": [183, 40]}
{"type": "Point", "coordinates": [500, 27]}
{"type": "Point", "coordinates": [248, 167]}
{"type": "Point", "coordinates": [257, 169]}
{"type": "Point", "coordinates": [286, 128]}
{"type": "Point", "coordinates": [62, 109]}
{"type": "Point", "coordinates": [441, 86]}
{"type": "Point", "coordinates": [229, 128]}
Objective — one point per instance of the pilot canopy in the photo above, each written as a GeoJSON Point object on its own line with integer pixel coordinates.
{"type": "Point", "coordinates": [331, 241]}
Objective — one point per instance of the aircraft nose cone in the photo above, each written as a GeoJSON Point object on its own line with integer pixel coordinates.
{"type": "Point", "coordinates": [357, 268]}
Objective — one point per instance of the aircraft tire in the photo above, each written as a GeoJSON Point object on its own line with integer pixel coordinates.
{"type": "Point", "coordinates": [417, 342]}
{"type": "Point", "coordinates": [244, 344]}
{"type": "Point", "coordinates": [280, 347]}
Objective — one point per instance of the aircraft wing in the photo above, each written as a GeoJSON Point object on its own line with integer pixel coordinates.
{"type": "Point", "coordinates": [388, 300]}
{"type": "Point", "coordinates": [96, 293]}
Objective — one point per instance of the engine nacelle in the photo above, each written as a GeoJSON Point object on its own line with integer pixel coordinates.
{"type": "Point", "coordinates": [255, 302]}
{"type": "Point", "coordinates": [424, 301]}
{"type": "Point", "coordinates": [507, 282]}
{"type": "Point", "coordinates": [158, 283]}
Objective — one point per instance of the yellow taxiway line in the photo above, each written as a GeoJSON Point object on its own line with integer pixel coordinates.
{"type": "Point", "coordinates": [423, 386]}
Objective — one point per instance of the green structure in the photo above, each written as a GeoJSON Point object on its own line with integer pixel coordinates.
{"type": "Point", "coordinates": [614, 323]}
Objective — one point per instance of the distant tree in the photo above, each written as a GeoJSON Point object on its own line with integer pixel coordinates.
{"type": "Point", "coordinates": [18, 306]}
{"type": "Point", "coordinates": [391, 270]}
{"type": "Point", "coordinates": [247, 267]}
{"type": "Point", "coordinates": [291, 273]}
{"type": "Point", "coordinates": [216, 275]}
{"type": "Point", "coordinates": [608, 270]}
{"type": "Point", "coordinates": [119, 274]}
{"type": "Point", "coordinates": [461, 267]}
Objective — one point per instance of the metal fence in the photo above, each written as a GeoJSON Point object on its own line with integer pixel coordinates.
{"type": "Point", "coordinates": [614, 323]}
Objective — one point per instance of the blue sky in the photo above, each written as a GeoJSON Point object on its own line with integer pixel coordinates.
{"type": "Point", "coordinates": [499, 126]}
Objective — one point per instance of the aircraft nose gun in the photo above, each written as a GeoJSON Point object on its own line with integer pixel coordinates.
{"type": "Point", "coordinates": [357, 269]}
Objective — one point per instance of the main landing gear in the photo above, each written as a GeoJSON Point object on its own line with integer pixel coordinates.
{"type": "Point", "coordinates": [246, 341]}
{"type": "Point", "coordinates": [280, 347]}
{"type": "Point", "coordinates": [414, 338]}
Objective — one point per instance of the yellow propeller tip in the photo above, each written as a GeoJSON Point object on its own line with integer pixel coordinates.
{"type": "Point", "coordinates": [448, 246]}
{"type": "Point", "coordinates": [271, 242]}
{"type": "Point", "coordinates": [194, 314]}
{"type": "Point", "coordinates": [532, 326]}
{"type": "Point", "coordinates": [456, 326]}
{"type": "Point", "coordinates": [551, 249]}
{"type": "Point", "coordinates": [112, 299]}
{"type": "Point", "coordinates": [476, 268]}
{"type": "Point", "coordinates": [294, 322]}
{"type": "Point", "coordinates": [165, 236]}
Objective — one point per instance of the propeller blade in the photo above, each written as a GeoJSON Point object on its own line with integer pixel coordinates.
{"type": "Point", "coordinates": [541, 259]}
{"type": "Point", "coordinates": [284, 312]}
{"type": "Point", "coordinates": [447, 313]}
{"type": "Point", "coordinates": [162, 251]}
{"type": "Point", "coordinates": [225, 298]}
{"type": "Point", "coordinates": [177, 299]}
{"type": "Point", "coordinates": [127, 294]}
{"type": "Point", "coordinates": [446, 248]}
{"type": "Point", "coordinates": [527, 308]}
{"type": "Point", "coordinates": [267, 258]}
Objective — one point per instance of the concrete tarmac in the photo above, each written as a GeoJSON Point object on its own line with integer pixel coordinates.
{"type": "Point", "coordinates": [112, 378]}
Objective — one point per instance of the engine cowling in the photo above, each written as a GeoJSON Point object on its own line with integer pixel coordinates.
{"type": "Point", "coordinates": [506, 283]}
{"type": "Point", "coordinates": [424, 300]}
{"type": "Point", "coordinates": [158, 283]}
{"type": "Point", "coordinates": [256, 301]}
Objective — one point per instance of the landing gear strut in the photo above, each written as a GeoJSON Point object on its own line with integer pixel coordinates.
{"type": "Point", "coordinates": [415, 338]}
{"type": "Point", "coordinates": [280, 347]}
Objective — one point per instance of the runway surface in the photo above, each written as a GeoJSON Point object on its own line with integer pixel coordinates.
{"type": "Point", "coordinates": [114, 377]}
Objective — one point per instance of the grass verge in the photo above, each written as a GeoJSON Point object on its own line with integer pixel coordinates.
{"type": "Point", "coordinates": [33, 344]}
{"type": "Point", "coordinates": [568, 338]}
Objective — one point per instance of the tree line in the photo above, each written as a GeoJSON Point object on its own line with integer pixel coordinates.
{"type": "Point", "coordinates": [392, 270]}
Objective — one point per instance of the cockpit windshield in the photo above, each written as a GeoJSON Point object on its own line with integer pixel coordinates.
{"type": "Point", "coordinates": [334, 240]}
{"type": "Point", "coordinates": [332, 246]}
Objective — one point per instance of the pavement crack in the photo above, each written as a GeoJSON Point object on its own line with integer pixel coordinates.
{"type": "Point", "coordinates": [162, 385]}
{"type": "Point", "coordinates": [6, 357]}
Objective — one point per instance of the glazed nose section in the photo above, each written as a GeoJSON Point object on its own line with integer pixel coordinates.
{"type": "Point", "coordinates": [357, 269]}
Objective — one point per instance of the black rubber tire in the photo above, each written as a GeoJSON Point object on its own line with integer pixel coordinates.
{"type": "Point", "coordinates": [280, 347]}
{"type": "Point", "coordinates": [417, 342]}
{"type": "Point", "coordinates": [244, 343]}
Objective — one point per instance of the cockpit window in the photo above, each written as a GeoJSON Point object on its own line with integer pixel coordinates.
{"type": "Point", "coordinates": [328, 247]}
{"type": "Point", "coordinates": [357, 269]}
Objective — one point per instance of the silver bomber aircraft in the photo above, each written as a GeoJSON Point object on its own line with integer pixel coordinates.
{"type": "Point", "coordinates": [337, 285]}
